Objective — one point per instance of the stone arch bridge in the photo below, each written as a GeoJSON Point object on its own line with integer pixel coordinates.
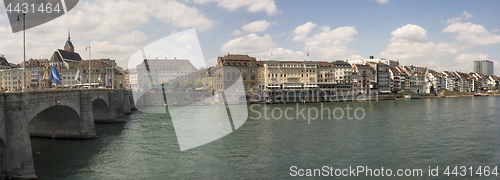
{"type": "Point", "coordinates": [53, 114]}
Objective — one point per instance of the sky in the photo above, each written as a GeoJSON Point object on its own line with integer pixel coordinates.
{"type": "Point", "coordinates": [443, 35]}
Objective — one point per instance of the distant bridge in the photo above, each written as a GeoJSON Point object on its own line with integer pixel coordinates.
{"type": "Point", "coordinates": [53, 114]}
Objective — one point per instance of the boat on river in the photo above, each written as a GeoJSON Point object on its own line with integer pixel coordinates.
{"type": "Point", "coordinates": [481, 94]}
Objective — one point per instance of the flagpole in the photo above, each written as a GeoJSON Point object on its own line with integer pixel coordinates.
{"type": "Point", "coordinates": [90, 85]}
{"type": "Point", "coordinates": [24, 49]}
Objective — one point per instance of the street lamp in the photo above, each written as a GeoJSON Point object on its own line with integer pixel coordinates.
{"type": "Point", "coordinates": [90, 85]}
{"type": "Point", "coordinates": [24, 48]}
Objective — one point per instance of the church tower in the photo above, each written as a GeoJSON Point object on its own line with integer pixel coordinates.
{"type": "Point", "coordinates": [69, 46]}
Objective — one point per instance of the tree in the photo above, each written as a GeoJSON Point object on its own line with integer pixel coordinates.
{"type": "Point", "coordinates": [152, 84]}
{"type": "Point", "coordinates": [71, 65]}
{"type": "Point", "coordinates": [494, 88]}
{"type": "Point", "coordinates": [187, 84]}
{"type": "Point", "coordinates": [198, 84]}
{"type": "Point", "coordinates": [163, 82]}
{"type": "Point", "coordinates": [176, 83]}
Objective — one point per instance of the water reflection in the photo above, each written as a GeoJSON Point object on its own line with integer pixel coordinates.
{"type": "Point", "coordinates": [394, 134]}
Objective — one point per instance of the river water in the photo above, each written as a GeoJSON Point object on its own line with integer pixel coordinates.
{"type": "Point", "coordinates": [406, 134]}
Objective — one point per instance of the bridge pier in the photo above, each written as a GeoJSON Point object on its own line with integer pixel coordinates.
{"type": "Point", "coordinates": [87, 124]}
{"type": "Point", "coordinates": [53, 114]}
{"type": "Point", "coordinates": [16, 161]}
{"type": "Point", "coordinates": [116, 113]}
{"type": "Point", "coordinates": [126, 104]}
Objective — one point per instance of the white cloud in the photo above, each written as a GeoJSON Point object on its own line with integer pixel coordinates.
{"type": "Point", "coordinates": [107, 49]}
{"type": "Point", "coordinates": [252, 5]}
{"type": "Point", "coordinates": [256, 26]}
{"type": "Point", "coordinates": [132, 38]}
{"type": "Point", "coordinates": [464, 62]}
{"type": "Point", "coordinates": [303, 30]}
{"type": "Point", "coordinates": [101, 22]}
{"type": "Point", "coordinates": [238, 32]}
{"type": "Point", "coordinates": [381, 1]}
{"type": "Point", "coordinates": [332, 44]}
{"type": "Point", "coordinates": [40, 47]}
{"type": "Point", "coordinates": [179, 15]}
{"type": "Point", "coordinates": [472, 33]}
{"type": "Point", "coordinates": [464, 57]}
{"type": "Point", "coordinates": [260, 47]}
{"type": "Point", "coordinates": [410, 44]}
{"type": "Point", "coordinates": [465, 15]}
{"type": "Point", "coordinates": [409, 33]}
{"type": "Point", "coordinates": [407, 50]}
{"type": "Point", "coordinates": [182, 45]}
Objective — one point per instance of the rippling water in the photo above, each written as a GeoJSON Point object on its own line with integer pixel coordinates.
{"type": "Point", "coordinates": [394, 134]}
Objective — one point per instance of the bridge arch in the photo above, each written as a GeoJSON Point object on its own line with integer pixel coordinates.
{"type": "Point", "coordinates": [101, 111]}
{"type": "Point", "coordinates": [101, 94]}
{"type": "Point", "coordinates": [56, 122]}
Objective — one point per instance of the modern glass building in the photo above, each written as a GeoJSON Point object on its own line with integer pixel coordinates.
{"type": "Point", "coordinates": [484, 67]}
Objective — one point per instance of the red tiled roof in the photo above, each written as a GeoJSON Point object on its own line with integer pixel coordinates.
{"type": "Point", "coordinates": [237, 57]}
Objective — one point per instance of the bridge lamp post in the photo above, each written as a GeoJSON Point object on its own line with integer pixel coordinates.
{"type": "Point", "coordinates": [24, 48]}
{"type": "Point", "coordinates": [88, 48]}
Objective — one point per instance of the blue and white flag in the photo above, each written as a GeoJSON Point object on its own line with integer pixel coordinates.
{"type": "Point", "coordinates": [78, 76]}
{"type": "Point", "coordinates": [54, 75]}
{"type": "Point", "coordinates": [109, 79]}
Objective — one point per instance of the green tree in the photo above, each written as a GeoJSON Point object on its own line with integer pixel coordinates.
{"type": "Point", "coordinates": [187, 84]}
{"type": "Point", "coordinates": [71, 65]}
{"type": "Point", "coordinates": [494, 88]}
{"type": "Point", "coordinates": [176, 83]}
{"type": "Point", "coordinates": [198, 84]}
{"type": "Point", "coordinates": [152, 84]}
{"type": "Point", "coordinates": [163, 82]}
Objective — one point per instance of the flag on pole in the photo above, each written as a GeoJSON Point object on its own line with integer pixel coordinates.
{"type": "Point", "coordinates": [99, 78]}
{"type": "Point", "coordinates": [54, 75]}
{"type": "Point", "coordinates": [307, 54]}
{"type": "Point", "coordinates": [78, 76]}
{"type": "Point", "coordinates": [126, 83]}
{"type": "Point", "coordinates": [109, 79]}
{"type": "Point", "coordinates": [18, 82]}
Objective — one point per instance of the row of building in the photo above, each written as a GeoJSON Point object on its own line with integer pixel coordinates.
{"type": "Point", "coordinates": [355, 76]}
{"type": "Point", "coordinates": [68, 64]}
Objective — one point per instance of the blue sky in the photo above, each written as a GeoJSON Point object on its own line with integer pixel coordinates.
{"type": "Point", "coordinates": [426, 33]}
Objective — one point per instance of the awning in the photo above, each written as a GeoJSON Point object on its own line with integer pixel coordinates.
{"type": "Point", "coordinates": [86, 84]}
{"type": "Point", "coordinates": [311, 86]}
{"type": "Point", "coordinates": [274, 86]}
